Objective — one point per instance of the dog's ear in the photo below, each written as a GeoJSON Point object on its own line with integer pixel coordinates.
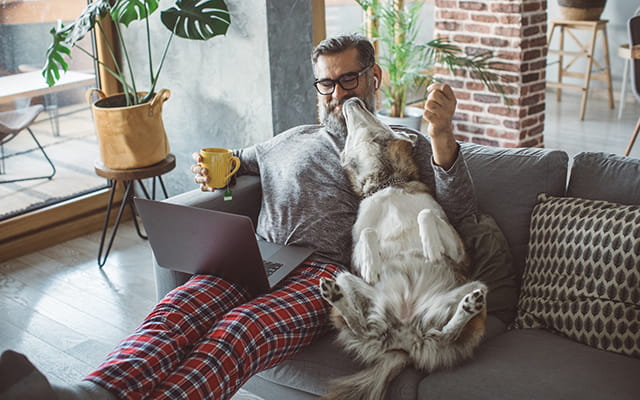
{"type": "Point", "coordinates": [413, 138]}
{"type": "Point", "coordinates": [406, 136]}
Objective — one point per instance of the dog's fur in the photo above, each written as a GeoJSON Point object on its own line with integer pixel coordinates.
{"type": "Point", "coordinates": [411, 301]}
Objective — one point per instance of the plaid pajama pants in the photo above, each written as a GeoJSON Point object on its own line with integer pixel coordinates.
{"type": "Point", "coordinates": [204, 339]}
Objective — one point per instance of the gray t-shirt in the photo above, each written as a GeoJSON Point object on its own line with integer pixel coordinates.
{"type": "Point", "coordinates": [307, 199]}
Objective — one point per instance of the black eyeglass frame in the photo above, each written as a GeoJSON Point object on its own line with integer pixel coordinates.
{"type": "Point", "coordinates": [354, 75]}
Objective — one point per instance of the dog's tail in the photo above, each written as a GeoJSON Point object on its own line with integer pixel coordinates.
{"type": "Point", "coordinates": [370, 383]}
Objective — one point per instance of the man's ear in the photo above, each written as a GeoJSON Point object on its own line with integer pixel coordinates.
{"type": "Point", "coordinates": [377, 76]}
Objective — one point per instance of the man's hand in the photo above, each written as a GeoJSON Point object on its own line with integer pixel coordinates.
{"type": "Point", "coordinates": [202, 175]}
{"type": "Point", "coordinates": [438, 110]}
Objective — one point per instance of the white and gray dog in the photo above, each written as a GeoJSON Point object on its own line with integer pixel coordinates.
{"type": "Point", "coordinates": [410, 300]}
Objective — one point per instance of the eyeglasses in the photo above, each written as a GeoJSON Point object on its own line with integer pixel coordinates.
{"type": "Point", "coordinates": [348, 81]}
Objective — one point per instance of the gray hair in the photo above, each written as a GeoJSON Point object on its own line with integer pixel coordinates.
{"type": "Point", "coordinates": [338, 44]}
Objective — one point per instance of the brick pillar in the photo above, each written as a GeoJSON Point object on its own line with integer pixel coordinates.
{"type": "Point", "coordinates": [515, 31]}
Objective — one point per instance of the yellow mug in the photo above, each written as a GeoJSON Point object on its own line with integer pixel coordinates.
{"type": "Point", "coordinates": [221, 164]}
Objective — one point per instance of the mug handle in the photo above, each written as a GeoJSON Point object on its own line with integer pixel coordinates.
{"type": "Point", "coordinates": [236, 162]}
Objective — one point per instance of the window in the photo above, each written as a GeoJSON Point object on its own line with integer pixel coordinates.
{"type": "Point", "coordinates": [64, 129]}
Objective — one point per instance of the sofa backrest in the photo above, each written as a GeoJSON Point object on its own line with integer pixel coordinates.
{"type": "Point", "coordinates": [603, 176]}
{"type": "Point", "coordinates": [507, 182]}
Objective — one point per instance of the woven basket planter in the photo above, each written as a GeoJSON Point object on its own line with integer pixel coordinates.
{"type": "Point", "coordinates": [129, 136]}
{"type": "Point", "coordinates": [581, 10]}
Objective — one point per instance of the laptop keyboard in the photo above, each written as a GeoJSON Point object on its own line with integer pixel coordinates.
{"type": "Point", "coordinates": [271, 266]}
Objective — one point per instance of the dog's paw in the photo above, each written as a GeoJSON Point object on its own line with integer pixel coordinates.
{"type": "Point", "coordinates": [474, 302]}
{"type": "Point", "coordinates": [371, 275]}
{"type": "Point", "coordinates": [330, 290]}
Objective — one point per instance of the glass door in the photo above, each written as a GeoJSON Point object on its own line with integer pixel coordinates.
{"type": "Point", "coordinates": [63, 132]}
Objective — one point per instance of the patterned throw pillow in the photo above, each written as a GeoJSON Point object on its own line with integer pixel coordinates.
{"type": "Point", "coordinates": [582, 273]}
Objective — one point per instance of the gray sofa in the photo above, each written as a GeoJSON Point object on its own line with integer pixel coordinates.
{"type": "Point", "coordinates": [511, 363]}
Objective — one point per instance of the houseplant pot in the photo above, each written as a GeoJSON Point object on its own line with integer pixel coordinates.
{"type": "Point", "coordinates": [129, 136]}
{"type": "Point", "coordinates": [411, 118]}
{"type": "Point", "coordinates": [188, 19]}
{"type": "Point", "coordinates": [581, 10]}
{"type": "Point", "coordinates": [407, 61]}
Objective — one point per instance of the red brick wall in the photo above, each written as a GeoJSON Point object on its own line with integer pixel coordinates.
{"type": "Point", "coordinates": [515, 31]}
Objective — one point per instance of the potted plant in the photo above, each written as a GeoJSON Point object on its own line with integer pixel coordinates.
{"type": "Point", "coordinates": [136, 111]}
{"type": "Point", "coordinates": [409, 62]}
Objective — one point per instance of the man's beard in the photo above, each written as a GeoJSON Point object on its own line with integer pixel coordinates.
{"type": "Point", "coordinates": [334, 121]}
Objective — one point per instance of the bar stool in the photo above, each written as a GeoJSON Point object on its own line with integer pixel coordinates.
{"type": "Point", "coordinates": [586, 51]}
{"type": "Point", "coordinates": [128, 177]}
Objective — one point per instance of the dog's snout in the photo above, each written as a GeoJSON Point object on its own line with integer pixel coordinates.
{"type": "Point", "coordinates": [352, 101]}
{"type": "Point", "coordinates": [351, 105]}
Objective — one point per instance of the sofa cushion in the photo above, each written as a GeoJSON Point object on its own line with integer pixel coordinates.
{"type": "Point", "coordinates": [602, 176]}
{"type": "Point", "coordinates": [492, 263]}
{"type": "Point", "coordinates": [582, 275]}
{"type": "Point", "coordinates": [311, 370]}
{"type": "Point", "coordinates": [536, 364]}
{"type": "Point", "coordinates": [507, 182]}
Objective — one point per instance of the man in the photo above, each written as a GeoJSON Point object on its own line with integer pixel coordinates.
{"type": "Point", "coordinates": [206, 338]}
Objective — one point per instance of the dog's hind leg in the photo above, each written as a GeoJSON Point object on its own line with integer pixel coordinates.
{"type": "Point", "coordinates": [471, 305]}
{"type": "Point", "coordinates": [351, 297]}
{"type": "Point", "coordinates": [439, 238]}
{"type": "Point", "coordinates": [367, 256]}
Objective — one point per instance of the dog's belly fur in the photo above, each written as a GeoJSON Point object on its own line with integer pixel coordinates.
{"type": "Point", "coordinates": [393, 213]}
{"type": "Point", "coordinates": [407, 318]}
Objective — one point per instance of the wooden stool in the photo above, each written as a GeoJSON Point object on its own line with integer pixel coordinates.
{"type": "Point", "coordinates": [586, 51]}
{"type": "Point", "coordinates": [128, 177]}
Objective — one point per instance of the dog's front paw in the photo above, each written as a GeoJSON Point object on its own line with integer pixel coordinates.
{"type": "Point", "coordinates": [474, 302]}
{"type": "Point", "coordinates": [330, 290]}
{"type": "Point", "coordinates": [371, 275]}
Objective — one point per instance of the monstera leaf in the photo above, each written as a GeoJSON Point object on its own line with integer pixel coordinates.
{"type": "Point", "coordinates": [65, 37]}
{"type": "Point", "coordinates": [127, 11]}
{"type": "Point", "coordinates": [197, 19]}
{"type": "Point", "coordinates": [54, 58]}
{"type": "Point", "coordinates": [87, 19]}
{"type": "Point", "coordinates": [189, 19]}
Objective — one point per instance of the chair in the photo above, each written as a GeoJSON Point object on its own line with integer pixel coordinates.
{"type": "Point", "coordinates": [11, 124]}
{"type": "Point", "coordinates": [634, 46]}
{"type": "Point", "coordinates": [625, 52]}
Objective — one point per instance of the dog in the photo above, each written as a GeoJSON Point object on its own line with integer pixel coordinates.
{"type": "Point", "coordinates": [410, 300]}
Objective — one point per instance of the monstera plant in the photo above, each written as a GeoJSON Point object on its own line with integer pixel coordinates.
{"type": "Point", "coordinates": [129, 125]}
{"type": "Point", "coordinates": [189, 19]}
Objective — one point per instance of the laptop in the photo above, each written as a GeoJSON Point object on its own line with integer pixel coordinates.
{"type": "Point", "coordinates": [200, 241]}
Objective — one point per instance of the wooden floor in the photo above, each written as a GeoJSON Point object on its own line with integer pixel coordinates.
{"type": "Point", "coordinates": [66, 314]}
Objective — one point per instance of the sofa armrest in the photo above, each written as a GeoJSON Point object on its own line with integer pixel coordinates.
{"type": "Point", "coordinates": [247, 195]}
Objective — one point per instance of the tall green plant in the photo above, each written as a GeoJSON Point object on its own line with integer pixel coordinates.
{"type": "Point", "coordinates": [189, 19]}
{"type": "Point", "coordinates": [408, 61]}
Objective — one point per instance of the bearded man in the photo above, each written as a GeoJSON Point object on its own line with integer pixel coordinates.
{"type": "Point", "coordinates": [207, 337]}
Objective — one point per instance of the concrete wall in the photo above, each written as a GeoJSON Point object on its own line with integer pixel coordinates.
{"type": "Point", "coordinates": [236, 90]}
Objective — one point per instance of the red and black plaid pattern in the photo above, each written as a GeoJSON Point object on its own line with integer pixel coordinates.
{"type": "Point", "coordinates": [204, 340]}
